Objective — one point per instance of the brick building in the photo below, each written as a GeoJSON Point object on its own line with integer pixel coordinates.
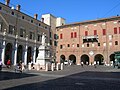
{"type": "Point", "coordinates": [89, 41]}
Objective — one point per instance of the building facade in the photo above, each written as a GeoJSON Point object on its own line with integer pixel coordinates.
{"type": "Point", "coordinates": [89, 41]}
{"type": "Point", "coordinates": [53, 22]}
{"type": "Point", "coordinates": [20, 35]}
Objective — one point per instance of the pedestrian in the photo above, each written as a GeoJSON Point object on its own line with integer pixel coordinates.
{"type": "Point", "coordinates": [20, 66]}
{"type": "Point", "coordinates": [32, 65]}
{"type": "Point", "coordinates": [8, 63]}
{"type": "Point", "coordinates": [82, 64]}
{"type": "Point", "coordinates": [95, 64]}
{"type": "Point", "coordinates": [0, 65]}
{"type": "Point", "coordinates": [87, 63]}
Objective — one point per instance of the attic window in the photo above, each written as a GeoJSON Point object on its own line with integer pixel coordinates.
{"type": "Point", "coordinates": [12, 13]}
{"type": "Point", "coordinates": [23, 17]}
{"type": "Point", "coordinates": [31, 21]}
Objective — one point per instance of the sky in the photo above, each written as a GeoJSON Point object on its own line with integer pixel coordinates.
{"type": "Point", "coordinates": [71, 10]}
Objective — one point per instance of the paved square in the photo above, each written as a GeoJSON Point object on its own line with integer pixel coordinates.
{"type": "Point", "coordinates": [71, 78]}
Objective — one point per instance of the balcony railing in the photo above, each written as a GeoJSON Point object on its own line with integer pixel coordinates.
{"type": "Point", "coordinates": [87, 39]}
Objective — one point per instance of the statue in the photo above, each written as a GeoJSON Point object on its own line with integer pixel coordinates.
{"type": "Point", "coordinates": [43, 39]}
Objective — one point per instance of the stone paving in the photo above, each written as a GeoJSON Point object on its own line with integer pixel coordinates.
{"type": "Point", "coordinates": [71, 78]}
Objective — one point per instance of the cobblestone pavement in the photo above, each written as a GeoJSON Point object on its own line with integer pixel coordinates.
{"type": "Point", "coordinates": [71, 78]}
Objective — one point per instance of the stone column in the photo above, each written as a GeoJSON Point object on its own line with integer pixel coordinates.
{"type": "Point", "coordinates": [3, 51]}
{"type": "Point", "coordinates": [15, 52]}
{"type": "Point", "coordinates": [25, 55]}
{"type": "Point", "coordinates": [34, 55]}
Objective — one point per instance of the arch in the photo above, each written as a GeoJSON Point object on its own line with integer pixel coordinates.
{"type": "Point", "coordinates": [85, 59]}
{"type": "Point", "coordinates": [8, 53]}
{"type": "Point", "coordinates": [72, 58]}
{"type": "Point", "coordinates": [19, 53]}
{"type": "Point", "coordinates": [99, 59]}
{"type": "Point", "coordinates": [112, 57]}
{"type": "Point", "coordinates": [62, 58]}
{"type": "Point", "coordinates": [29, 54]}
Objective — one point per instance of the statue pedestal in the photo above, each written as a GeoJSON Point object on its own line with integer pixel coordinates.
{"type": "Point", "coordinates": [43, 56]}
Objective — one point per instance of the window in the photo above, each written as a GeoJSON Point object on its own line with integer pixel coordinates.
{"type": "Point", "coordinates": [71, 34]}
{"type": "Point", "coordinates": [61, 36]}
{"type": "Point", "coordinates": [45, 27]}
{"type": "Point", "coordinates": [77, 45]}
{"type": "Point", "coordinates": [61, 46]}
{"type": "Point", "coordinates": [39, 24]}
{"type": "Point", "coordinates": [75, 34]}
{"type": "Point", "coordinates": [55, 36]}
{"type": "Point", "coordinates": [119, 30]}
{"type": "Point", "coordinates": [31, 21]}
{"type": "Point", "coordinates": [31, 36]}
{"type": "Point", "coordinates": [68, 45]}
{"type": "Point", "coordinates": [104, 31]}
{"type": "Point", "coordinates": [50, 35]}
{"type": "Point", "coordinates": [95, 32]}
{"type": "Point", "coordinates": [0, 8]}
{"type": "Point", "coordinates": [50, 42]}
{"type": "Point", "coordinates": [22, 32]}
{"type": "Point", "coordinates": [86, 33]}
{"type": "Point", "coordinates": [12, 13]}
{"type": "Point", "coordinates": [116, 42]}
{"type": "Point", "coordinates": [23, 17]}
{"type": "Point", "coordinates": [11, 29]}
{"type": "Point", "coordinates": [39, 37]}
{"type": "Point", "coordinates": [115, 30]}
{"type": "Point", "coordinates": [87, 44]}
{"type": "Point", "coordinates": [55, 43]}
{"type": "Point", "coordinates": [98, 44]}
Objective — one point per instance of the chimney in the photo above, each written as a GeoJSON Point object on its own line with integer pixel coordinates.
{"type": "Point", "coordinates": [18, 7]}
{"type": "Point", "coordinates": [7, 2]}
{"type": "Point", "coordinates": [42, 19]}
{"type": "Point", "coordinates": [35, 16]}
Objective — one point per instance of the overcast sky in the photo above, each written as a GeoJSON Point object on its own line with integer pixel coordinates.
{"type": "Point", "coordinates": [71, 10]}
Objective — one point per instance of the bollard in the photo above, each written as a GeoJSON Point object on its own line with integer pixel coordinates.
{"type": "Point", "coordinates": [57, 67]}
{"type": "Point", "coordinates": [52, 67]}
{"type": "Point", "coordinates": [38, 67]}
{"type": "Point", "coordinates": [29, 66]}
{"type": "Point", "coordinates": [46, 67]}
{"type": "Point", "coordinates": [61, 66]}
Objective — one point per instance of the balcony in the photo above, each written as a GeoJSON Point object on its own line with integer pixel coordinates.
{"type": "Point", "coordinates": [88, 39]}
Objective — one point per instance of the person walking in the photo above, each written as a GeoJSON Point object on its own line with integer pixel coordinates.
{"type": "Point", "coordinates": [82, 64]}
{"type": "Point", "coordinates": [95, 64]}
{"type": "Point", "coordinates": [8, 63]}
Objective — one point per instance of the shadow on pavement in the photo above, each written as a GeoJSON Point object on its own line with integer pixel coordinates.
{"type": "Point", "coordinates": [4, 75]}
{"type": "Point", "coordinates": [88, 80]}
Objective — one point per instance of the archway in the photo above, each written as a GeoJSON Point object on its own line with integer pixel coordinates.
{"type": "Point", "coordinates": [19, 53]}
{"type": "Point", "coordinates": [112, 57]}
{"type": "Point", "coordinates": [29, 54]}
{"type": "Point", "coordinates": [62, 58]}
{"type": "Point", "coordinates": [99, 59]}
{"type": "Point", "coordinates": [72, 58]}
{"type": "Point", "coordinates": [8, 53]}
{"type": "Point", "coordinates": [85, 59]}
